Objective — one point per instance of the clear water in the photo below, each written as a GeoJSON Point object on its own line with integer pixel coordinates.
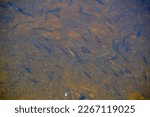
{"type": "Point", "coordinates": [74, 49]}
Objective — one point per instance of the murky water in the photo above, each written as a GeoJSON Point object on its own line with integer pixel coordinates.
{"type": "Point", "coordinates": [74, 49]}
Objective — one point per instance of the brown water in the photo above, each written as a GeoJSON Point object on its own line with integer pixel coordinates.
{"type": "Point", "coordinates": [74, 49]}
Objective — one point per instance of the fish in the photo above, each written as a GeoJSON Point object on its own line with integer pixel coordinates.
{"type": "Point", "coordinates": [103, 54]}
{"type": "Point", "coordinates": [3, 5]}
{"type": "Point", "coordinates": [125, 44]}
{"type": "Point", "coordinates": [33, 81]}
{"type": "Point", "coordinates": [113, 57]}
{"type": "Point", "coordinates": [127, 71]}
{"type": "Point", "coordinates": [86, 74]}
{"type": "Point", "coordinates": [117, 92]}
{"type": "Point", "coordinates": [54, 11]}
{"type": "Point", "coordinates": [50, 77]}
{"type": "Point", "coordinates": [63, 50]}
{"type": "Point", "coordinates": [144, 75]}
{"type": "Point", "coordinates": [28, 69]}
{"type": "Point", "coordinates": [82, 97]}
{"type": "Point", "coordinates": [98, 40]}
{"type": "Point", "coordinates": [137, 30]}
{"type": "Point", "coordinates": [5, 18]}
{"type": "Point", "coordinates": [75, 54]}
{"type": "Point", "coordinates": [60, 0]}
{"type": "Point", "coordinates": [44, 47]}
{"type": "Point", "coordinates": [85, 50]}
{"type": "Point", "coordinates": [119, 73]}
{"type": "Point", "coordinates": [70, 2]}
{"type": "Point", "coordinates": [116, 47]}
{"type": "Point", "coordinates": [37, 44]}
{"type": "Point", "coordinates": [48, 48]}
{"type": "Point", "coordinates": [145, 60]}
{"type": "Point", "coordinates": [18, 9]}
{"type": "Point", "coordinates": [101, 2]}
{"type": "Point", "coordinates": [81, 11]}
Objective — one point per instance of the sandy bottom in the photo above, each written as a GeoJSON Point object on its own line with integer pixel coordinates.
{"type": "Point", "coordinates": [74, 49]}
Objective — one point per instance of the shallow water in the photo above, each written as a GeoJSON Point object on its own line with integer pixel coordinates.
{"type": "Point", "coordinates": [74, 49]}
